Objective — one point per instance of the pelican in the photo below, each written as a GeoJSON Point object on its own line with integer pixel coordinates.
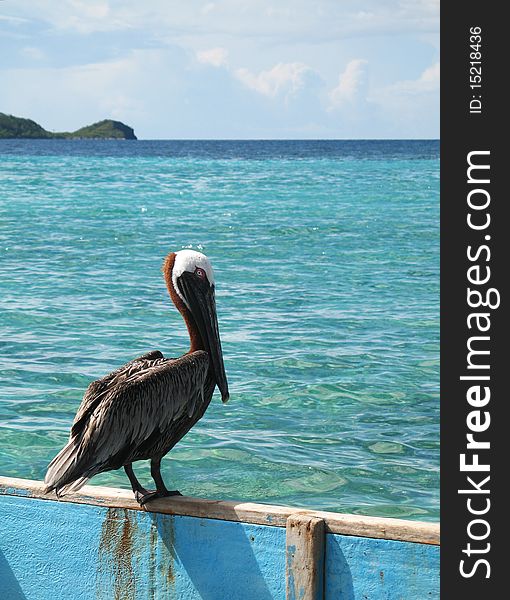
{"type": "Point", "coordinates": [141, 410]}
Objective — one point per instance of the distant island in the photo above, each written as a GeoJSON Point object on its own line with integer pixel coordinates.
{"type": "Point", "coordinates": [17, 128]}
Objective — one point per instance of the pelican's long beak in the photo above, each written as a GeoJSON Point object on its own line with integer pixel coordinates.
{"type": "Point", "coordinates": [199, 296]}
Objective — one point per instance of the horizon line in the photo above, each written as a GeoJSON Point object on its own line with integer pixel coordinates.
{"type": "Point", "coordinates": [432, 139]}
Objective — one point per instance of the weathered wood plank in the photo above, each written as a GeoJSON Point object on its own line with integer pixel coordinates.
{"type": "Point", "coordinates": [305, 546]}
{"type": "Point", "coordinates": [248, 512]}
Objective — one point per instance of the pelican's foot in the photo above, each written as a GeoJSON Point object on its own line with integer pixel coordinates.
{"type": "Point", "coordinates": [143, 498]}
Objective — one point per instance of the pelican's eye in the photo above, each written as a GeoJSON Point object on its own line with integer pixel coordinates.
{"type": "Point", "coordinates": [200, 273]}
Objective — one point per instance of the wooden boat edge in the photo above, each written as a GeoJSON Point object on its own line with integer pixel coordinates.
{"type": "Point", "coordinates": [247, 512]}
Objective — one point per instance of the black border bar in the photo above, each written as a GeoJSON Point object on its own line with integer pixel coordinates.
{"type": "Point", "coordinates": [474, 258]}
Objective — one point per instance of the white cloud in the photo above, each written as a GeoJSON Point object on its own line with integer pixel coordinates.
{"type": "Point", "coordinates": [140, 61]}
{"type": "Point", "coordinates": [411, 104]}
{"type": "Point", "coordinates": [13, 20]}
{"type": "Point", "coordinates": [297, 20]}
{"type": "Point", "coordinates": [207, 8]}
{"type": "Point", "coordinates": [79, 16]}
{"type": "Point", "coordinates": [92, 10]}
{"type": "Point", "coordinates": [429, 79]}
{"type": "Point", "coordinates": [217, 57]}
{"type": "Point", "coordinates": [33, 53]}
{"type": "Point", "coordinates": [427, 82]}
{"type": "Point", "coordinates": [59, 98]}
{"type": "Point", "coordinates": [283, 78]}
{"type": "Point", "coordinates": [352, 85]}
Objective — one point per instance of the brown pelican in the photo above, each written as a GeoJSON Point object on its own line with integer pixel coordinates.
{"type": "Point", "coordinates": [141, 410]}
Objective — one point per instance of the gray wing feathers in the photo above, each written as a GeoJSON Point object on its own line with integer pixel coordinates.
{"type": "Point", "coordinates": [99, 387]}
{"type": "Point", "coordinates": [120, 412]}
{"type": "Point", "coordinates": [62, 464]}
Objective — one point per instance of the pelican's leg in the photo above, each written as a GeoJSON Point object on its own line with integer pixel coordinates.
{"type": "Point", "coordinates": [141, 494]}
{"type": "Point", "coordinates": [160, 484]}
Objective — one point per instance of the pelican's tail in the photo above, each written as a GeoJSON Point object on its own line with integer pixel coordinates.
{"type": "Point", "coordinates": [65, 473]}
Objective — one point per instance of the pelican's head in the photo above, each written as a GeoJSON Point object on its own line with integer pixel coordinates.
{"type": "Point", "coordinates": [196, 263]}
{"type": "Point", "coordinates": [192, 279]}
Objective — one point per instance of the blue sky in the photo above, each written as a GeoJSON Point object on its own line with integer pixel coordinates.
{"type": "Point", "coordinates": [225, 68]}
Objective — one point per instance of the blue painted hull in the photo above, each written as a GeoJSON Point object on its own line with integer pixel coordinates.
{"type": "Point", "coordinates": [56, 550]}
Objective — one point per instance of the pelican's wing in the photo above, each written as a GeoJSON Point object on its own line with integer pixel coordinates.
{"type": "Point", "coordinates": [127, 416]}
{"type": "Point", "coordinates": [97, 389]}
{"type": "Point", "coordinates": [151, 398]}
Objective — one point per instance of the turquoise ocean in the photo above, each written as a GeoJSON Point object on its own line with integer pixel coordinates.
{"type": "Point", "coordinates": [326, 256]}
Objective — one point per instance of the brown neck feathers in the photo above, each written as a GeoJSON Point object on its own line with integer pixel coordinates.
{"type": "Point", "coordinates": [194, 336]}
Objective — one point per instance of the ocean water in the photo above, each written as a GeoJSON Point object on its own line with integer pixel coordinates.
{"type": "Point", "coordinates": [327, 266]}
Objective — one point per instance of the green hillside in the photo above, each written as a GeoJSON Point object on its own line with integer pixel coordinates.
{"type": "Point", "coordinates": [16, 127]}
{"type": "Point", "coordinates": [107, 129]}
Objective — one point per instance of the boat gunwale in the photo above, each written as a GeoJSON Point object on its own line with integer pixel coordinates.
{"type": "Point", "coordinates": [246, 512]}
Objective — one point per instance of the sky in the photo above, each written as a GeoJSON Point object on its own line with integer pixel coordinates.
{"type": "Point", "coordinates": [225, 69]}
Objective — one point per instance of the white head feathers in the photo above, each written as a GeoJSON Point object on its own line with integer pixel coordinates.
{"type": "Point", "coordinates": [189, 260]}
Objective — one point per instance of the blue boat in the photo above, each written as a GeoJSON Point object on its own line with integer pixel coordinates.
{"type": "Point", "coordinates": [100, 544]}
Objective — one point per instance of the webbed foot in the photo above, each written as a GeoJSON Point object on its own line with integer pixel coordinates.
{"type": "Point", "coordinates": [143, 498]}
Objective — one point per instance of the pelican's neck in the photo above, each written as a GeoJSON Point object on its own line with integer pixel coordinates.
{"type": "Point", "coordinates": [194, 336]}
